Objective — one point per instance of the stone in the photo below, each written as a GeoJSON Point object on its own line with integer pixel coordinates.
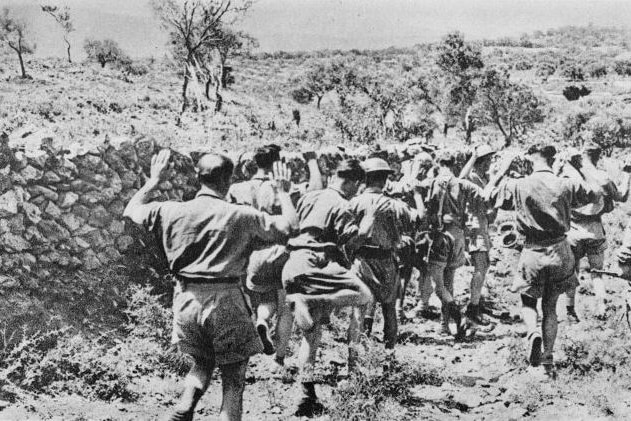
{"type": "Point", "coordinates": [92, 198]}
{"type": "Point", "coordinates": [43, 191]}
{"type": "Point", "coordinates": [85, 229]}
{"type": "Point", "coordinates": [99, 217]}
{"type": "Point", "coordinates": [117, 227]}
{"type": "Point", "coordinates": [82, 244]}
{"type": "Point", "coordinates": [124, 243]}
{"type": "Point", "coordinates": [81, 211]}
{"type": "Point", "coordinates": [38, 200]}
{"type": "Point", "coordinates": [16, 224]}
{"type": "Point", "coordinates": [14, 243]}
{"type": "Point", "coordinates": [112, 254]}
{"type": "Point", "coordinates": [31, 174]}
{"type": "Point", "coordinates": [17, 178]}
{"type": "Point", "coordinates": [7, 282]}
{"type": "Point", "coordinates": [68, 199]}
{"type": "Point", "coordinates": [5, 183]}
{"type": "Point", "coordinates": [21, 194]}
{"type": "Point", "coordinates": [90, 261]}
{"type": "Point", "coordinates": [126, 196]}
{"type": "Point", "coordinates": [51, 178]}
{"type": "Point", "coordinates": [72, 221]}
{"type": "Point", "coordinates": [8, 204]}
{"type": "Point", "coordinates": [117, 208]}
{"type": "Point", "coordinates": [52, 210]}
{"type": "Point", "coordinates": [82, 186]}
{"type": "Point", "coordinates": [53, 231]}
{"type": "Point", "coordinates": [32, 212]}
{"type": "Point", "coordinates": [129, 179]}
{"type": "Point", "coordinates": [33, 235]}
{"type": "Point", "coordinates": [75, 262]}
{"type": "Point", "coordinates": [95, 239]}
{"type": "Point", "coordinates": [4, 226]}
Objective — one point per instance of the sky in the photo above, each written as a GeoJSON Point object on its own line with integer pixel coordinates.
{"type": "Point", "coordinates": [293, 25]}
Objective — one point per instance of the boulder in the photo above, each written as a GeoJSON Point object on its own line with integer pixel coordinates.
{"type": "Point", "coordinates": [8, 204]}
{"type": "Point", "coordinates": [31, 174]}
{"type": "Point", "coordinates": [14, 243]}
{"type": "Point", "coordinates": [72, 221]}
{"type": "Point", "coordinates": [68, 199]}
{"type": "Point", "coordinates": [116, 208]}
{"type": "Point", "coordinates": [81, 211]}
{"type": "Point", "coordinates": [5, 183]}
{"type": "Point", "coordinates": [52, 210]}
{"type": "Point", "coordinates": [53, 231]}
{"type": "Point", "coordinates": [100, 217]}
{"type": "Point", "coordinates": [33, 235]}
{"type": "Point", "coordinates": [117, 227]}
{"type": "Point", "coordinates": [32, 212]}
{"type": "Point", "coordinates": [90, 261]}
{"type": "Point", "coordinates": [124, 243]}
{"type": "Point", "coordinates": [48, 193]}
{"type": "Point", "coordinates": [51, 178]}
{"type": "Point", "coordinates": [16, 224]}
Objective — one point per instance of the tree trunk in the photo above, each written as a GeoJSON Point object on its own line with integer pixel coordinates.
{"type": "Point", "coordinates": [219, 98]}
{"type": "Point", "coordinates": [22, 68]}
{"type": "Point", "coordinates": [185, 90]}
{"type": "Point", "coordinates": [222, 69]}
{"type": "Point", "coordinates": [445, 129]}
{"type": "Point", "coordinates": [318, 103]}
{"type": "Point", "coordinates": [208, 84]}
{"type": "Point", "coordinates": [68, 49]}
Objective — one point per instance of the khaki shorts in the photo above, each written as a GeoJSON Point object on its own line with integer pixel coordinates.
{"type": "Point", "coordinates": [265, 269]}
{"type": "Point", "coordinates": [448, 248]}
{"type": "Point", "coordinates": [381, 275]}
{"type": "Point", "coordinates": [479, 240]}
{"type": "Point", "coordinates": [213, 322]}
{"type": "Point", "coordinates": [593, 246]}
{"type": "Point", "coordinates": [549, 268]}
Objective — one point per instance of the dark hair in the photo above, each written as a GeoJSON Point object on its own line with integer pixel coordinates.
{"type": "Point", "coordinates": [350, 169]}
{"type": "Point", "coordinates": [214, 168]}
{"type": "Point", "coordinates": [266, 156]}
{"type": "Point", "coordinates": [546, 150]}
{"type": "Point", "coordinates": [377, 177]}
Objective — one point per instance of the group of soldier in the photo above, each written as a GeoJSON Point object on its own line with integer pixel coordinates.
{"type": "Point", "coordinates": [265, 249]}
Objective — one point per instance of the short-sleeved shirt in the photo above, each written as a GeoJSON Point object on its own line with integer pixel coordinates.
{"type": "Point", "coordinates": [478, 208]}
{"type": "Point", "coordinates": [392, 219]}
{"type": "Point", "coordinates": [542, 202]}
{"type": "Point", "coordinates": [449, 195]}
{"type": "Point", "coordinates": [325, 220]}
{"type": "Point", "coordinates": [606, 191]}
{"type": "Point", "coordinates": [258, 192]}
{"type": "Point", "coordinates": [208, 237]}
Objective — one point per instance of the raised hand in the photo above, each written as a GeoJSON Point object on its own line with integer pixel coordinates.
{"type": "Point", "coordinates": [160, 164]}
{"type": "Point", "coordinates": [282, 176]}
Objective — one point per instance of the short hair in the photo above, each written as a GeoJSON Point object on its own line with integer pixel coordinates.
{"type": "Point", "coordinates": [266, 156]}
{"type": "Point", "coordinates": [377, 177]}
{"type": "Point", "coordinates": [214, 168]}
{"type": "Point", "coordinates": [544, 149]}
{"type": "Point", "coordinates": [350, 169]}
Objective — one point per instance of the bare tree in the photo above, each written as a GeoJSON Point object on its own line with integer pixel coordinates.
{"type": "Point", "coordinates": [62, 17]}
{"type": "Point", "coordinates": [13, 32]}
{"type": "Point", "coordinates": [195, 26]}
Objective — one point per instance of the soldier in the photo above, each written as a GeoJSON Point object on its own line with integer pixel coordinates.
{"type": "Point", "coordinates": [542, 202]}
{"type": "Point", "coordinates": [263, 282]}
{"type": "Point", "coordinates": [447, 203]}
{"type": "Point", "coordinates": [207, 242]}
{"type": "Point", "coordinates": [479, 241]}
{"type": "Point", "coordinates": [317, 276]}
{"type": "Point", "coordinates": [376, 260]}
{"type": "Point", "coordinates": [588, 220]}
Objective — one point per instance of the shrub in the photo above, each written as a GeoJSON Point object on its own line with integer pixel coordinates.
{"type": "Point", "coordinates": [598, 70]}
{"type": "Point", "coordinates": [573, 93]}
{"type": "Point", "coordinates": [622, 67]}
{"type": "Point", "coordinates": [106, 51]}
{"type": "Point", "coordinates": [545, 70]}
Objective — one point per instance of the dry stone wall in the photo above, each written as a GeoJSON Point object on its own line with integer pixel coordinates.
{"type": "Point", "coordinates": [61, 208]}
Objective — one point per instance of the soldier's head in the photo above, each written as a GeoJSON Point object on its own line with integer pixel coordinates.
{"type": "Point", "coordinates": [446, 159]}
{"type": "Point", "coordinates": [377, 171]}
{"type": "Point", "coordinates": [592, 151]}
{"type": "Point", "coordinates": [485, 157]}
{"type": "Point", "coordinates": [348, 177]}
{"type": "Point", "coordinates": [266, 156]}
{"type": "Point", "coordinates": [542, 154]}
{"type": "Point", "coordinates": [215, 171]}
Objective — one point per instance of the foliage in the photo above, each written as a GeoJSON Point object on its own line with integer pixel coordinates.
{"type": "Point", "coordinates": [513, 108]}
{"type": "Point", "coordinates": [622, 66]}
{"type": "Point", "coordinates": [573, 72]}
{"type": "Point", "coordinates": [13, 32]}
{"type": "Point", "coordinates": [63, 19]}
{"type": "Point", "coordinates": [545, 70]}
{"type": "Point", "coordinates": [105, 51]}
{"type": "Point", "coordinates": [573, 93]}
{"type": "Point", "coordinates": [319, 78]}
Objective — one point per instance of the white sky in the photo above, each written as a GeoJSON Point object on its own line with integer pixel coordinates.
{"type": "Point", "coordinates": [344, 24]}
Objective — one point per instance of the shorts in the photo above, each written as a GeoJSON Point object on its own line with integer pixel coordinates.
{"type": "Point", "coordinates": [313, 272]}
{"type": "Point", "coordinates": [479, 240]}
{"type": "Point", "coordinates": [545, 268]}
{"type": "Point", "coordinates": [265, 270]}
{"type": "Point", "coordinates": [589, 241]}
{"type": "Point", "coordinates": [448, 248]}
{"type": "Point", "coordinates": [213, 322]}
{"type": "Point", "coordinates": [381, 275]}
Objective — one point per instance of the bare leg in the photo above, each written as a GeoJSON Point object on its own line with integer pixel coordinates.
{"type": "Point", "coordinates": [405, 274]}
{"type": "Point", "coordinates": [389, 325]}
{"type": "Point", "coordinates": [481, 267]}
{"type": "Point", "coordinates": [233, 385]}
{"type": "Point", "coordinates": [529, 313]}
{"type": "Point", "coordinates": [549, 324]}
{"type": "Point", "coordinates": [195, 384]}
{"type": "Point", "coordinates": [283, 327]}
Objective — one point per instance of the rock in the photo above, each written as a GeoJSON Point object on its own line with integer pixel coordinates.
{"type": "Point", "coordinates": [51, 178]}
{"type": "Point", "coordinates": [33, 235]}
{"type": "Point", "coordinates": [95, 239]}
{"type": "Point", "coordinates": [117, 208]}
{"type": "Point", "coordinates": [32, 212]}
{"type": "Point", "coordinates": [53, 231]}
{"type": "Point", "coordinates": [112, 254]}
{"type": "Point", "coordinates": [43, 191]}
{"type": "Point", "coordinates": [90, 261]}
{"type": "Point", "coordinates": [468, 399]}
{"type": "Point", "coordinates": [16, 178]}
{"type": "Point", "coordinates": [14, 243]}
{"type": "Point", "coordinates": [37, 158]}
{"type": "Point", "coordinates": [72, 222]}
{"type": "Point", "coordinates": [431, 393]}
{"type": "Point", "coordinates": [129, 179]}
{"type": "Point", "coordinates": [5, 183]}
{"type": "Point", "coordinates": [81, 211]}
{"type": "Point", "coordinates": [82, 244]}
{"type": "Point", "coordinates": [99, 217]}
{"type": "Point", "coordinates": [39, 201]}
{"type": "Point", "coordinates": [52, 210]}
{"type": "Point", "coordinates": [85, 229]}
{"type": "Point", "coordinates": [16, 225]}
{"type": "Point", "coordinates": [124, 243]}
{"type": "Point", "coordinates": [93, 197]}
{"type": "Point", "coordinates": [68, 199]}
{"type": "Point", "coordinates": [82, 186]}
{"type": "Point", "coordinates": [8, 204]}
{"type": "Point", "coordinates": [117, 227]}
{"type": "Point", "coordinates": [7, 282]}
{"type": "Point", "coordinates": [31, 174]}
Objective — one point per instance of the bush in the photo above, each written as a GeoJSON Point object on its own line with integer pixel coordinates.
{"type": "Point", "coordinates": [622, 67]}
{"type": "Point", "coordinates": [573, 72]}
{"type": "Point", "coordinates": [598, 70]}
{"type": "Point", "coordinates": [523, 65]}
{"type": "Point", "coordinates": [573, 93]}
{"type": "Point", "coordinates": [545, 70]}
{"type": "Point", "coordinates": [106, 51]}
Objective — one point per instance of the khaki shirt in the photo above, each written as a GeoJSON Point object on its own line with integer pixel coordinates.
{"type": "Point", "coordinates": [458, 194]}
{"type": "Point", "coordinates": [208, 237]}
{"type": "Point", "coordinates": [325, 219]}
{"type": "Point", "coordinates": [392, 218]}
{"type": "Point", "coordinates": [542, 202]}
{"type": "Point", "coordinates": [258, 192]}
{"type": "Point", "coordinates": [478, 208]}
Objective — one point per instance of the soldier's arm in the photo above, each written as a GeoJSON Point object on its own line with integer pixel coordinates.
{"type": "Point", "coordinates": [139, 207]}
{"type": "Point", "coordinates": [466, 170]}
{"type": "Point", "coordinates": [315, 176]}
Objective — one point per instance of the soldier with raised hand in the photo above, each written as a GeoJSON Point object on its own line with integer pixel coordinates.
{"type": "Point", "coordinates": [543, 203]}
{"type": "Point", "coordinates": [479, 240]}
{"type": "Point", "coordinates": [587, 227]}
{"type": "Point", "coordinates": [447, 204]}
{"type": "Point", "coordinates": [317, 276]}
{"type": "Point", "coordinates": [207, 242]}
{"type": "Point", "coordinates": [376, 259]}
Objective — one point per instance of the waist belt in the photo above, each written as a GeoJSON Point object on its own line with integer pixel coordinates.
{"type": "Point", "coordinates": [543, 243]}
{"type": "Point", "coordinates": [369, 252]}
{"type": "Point", "coordinates": [228, 280]}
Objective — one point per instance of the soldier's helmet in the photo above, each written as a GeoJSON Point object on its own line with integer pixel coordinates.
{"type": "Point", "coordinates": [376, 165]}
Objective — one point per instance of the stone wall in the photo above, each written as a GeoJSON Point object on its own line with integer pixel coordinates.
{"type": "Point", "coordinates": [61, 208]}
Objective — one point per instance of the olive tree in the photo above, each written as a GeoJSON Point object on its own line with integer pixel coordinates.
{"type": "Point", "coordinates": [62, 17]}
{"type": "Point", "coordinates": [13, 33]}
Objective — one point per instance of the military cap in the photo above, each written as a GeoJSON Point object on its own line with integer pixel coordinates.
{"type": "Point", "coordinates": [376, 165]}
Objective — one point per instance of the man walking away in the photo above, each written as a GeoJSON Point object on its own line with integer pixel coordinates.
{"type": "Point", "coordinates": [543, 203]}
{"type": "Point", "coordinates": [207, 242]}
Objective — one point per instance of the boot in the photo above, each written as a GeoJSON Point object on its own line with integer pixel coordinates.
{"type": "Point", "coordinates": [474, 314]}
{"type": "Point", "coordinates": [309, 405]}
{"type": "Point", "coordinates": [572, 317]}
{"type": "Point", "coordinates": [368, 323]}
